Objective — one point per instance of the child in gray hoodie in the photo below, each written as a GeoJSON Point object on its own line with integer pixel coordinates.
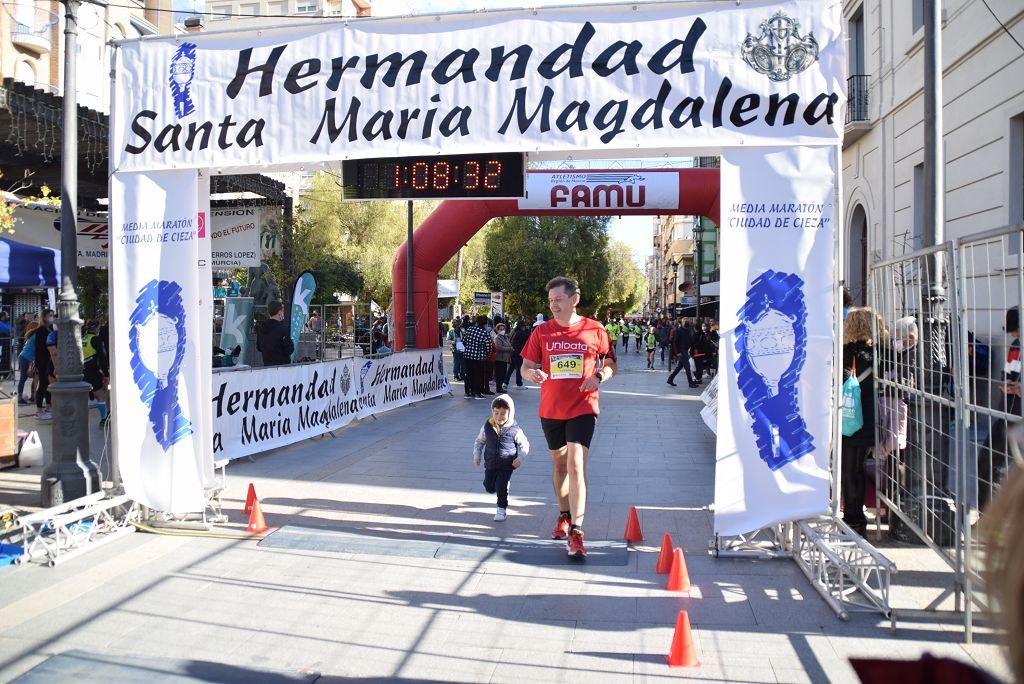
{"type": "Point", "coordinates": [502, 445]}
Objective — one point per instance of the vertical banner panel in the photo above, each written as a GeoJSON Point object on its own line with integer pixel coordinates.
{"type": "Point", "coordinates": [302, 296]}
{"type": "Point", "coordinates": [157, 340]}
{"type": "Point", "coordinates": [776, 349]}
{"type": "Point", "coordinates": [204, 289]}
{"type": "Point", "coordinates": [238, 315]}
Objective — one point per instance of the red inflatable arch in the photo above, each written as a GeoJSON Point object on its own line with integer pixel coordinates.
{"type": "Point", "coordinates": [454, 222]}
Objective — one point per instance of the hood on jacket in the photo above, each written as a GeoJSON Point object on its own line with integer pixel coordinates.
{"type": "Point", "coordinates": [511, 408]}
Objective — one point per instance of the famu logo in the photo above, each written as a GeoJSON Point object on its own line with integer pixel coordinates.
{"type": "Point", "coordinates": [601, 191]}
{"type": "Point", "coordinates": [567, 347]}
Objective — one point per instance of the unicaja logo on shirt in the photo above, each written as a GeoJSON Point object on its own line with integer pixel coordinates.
{"type": "Point", "coordinates": [567, 346]}
{"type": "Point", "coordinates": [182, 71]}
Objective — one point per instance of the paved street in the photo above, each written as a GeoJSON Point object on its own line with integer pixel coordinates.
{"type": "Point", "coordinates": [408, 476]}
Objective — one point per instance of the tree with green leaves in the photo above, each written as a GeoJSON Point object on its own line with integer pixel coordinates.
{"type": "Point", "coordinates": [524, 252]}
{"type": "Point", "coordinates": [348, 246]}
{"type": "Point", "coordinates": [627, 285]}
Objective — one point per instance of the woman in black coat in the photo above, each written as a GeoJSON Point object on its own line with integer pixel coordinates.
{"type": "Point", "coordinates": [859, 353]}
{"type": "Point", "coordinates": [44, 367]}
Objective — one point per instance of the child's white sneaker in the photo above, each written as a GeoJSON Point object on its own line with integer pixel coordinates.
{"type": "Point", "coordinates": [500, 515]}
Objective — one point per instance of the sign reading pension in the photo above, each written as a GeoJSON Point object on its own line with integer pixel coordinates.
{"type": "Point", "coordinates": [259, 409]}
{"type": "Point", "coordinates": [601, 78]}
{"type": "Point", "coordinates": [236, 237]}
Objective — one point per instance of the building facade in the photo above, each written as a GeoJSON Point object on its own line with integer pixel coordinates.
{"type": "Point", "coordinates": [983, 127]}
{"type": "Point", "coordinates": [234, 14]}
{"type": "Point", "coordinates": [32, 43]}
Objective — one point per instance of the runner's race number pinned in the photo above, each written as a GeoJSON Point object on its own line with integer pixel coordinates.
{"type": "Point", "coordinates": [566, 366]}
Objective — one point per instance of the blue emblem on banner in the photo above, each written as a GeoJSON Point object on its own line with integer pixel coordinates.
{"type": "Point", "coordinates": [183, 69]}
{"type": "Point", "coordinates": [771, 341]}
{"type": "Point", "coordinates": [362, 374]}
{"type": "Point", "coordinates": [159, 314]}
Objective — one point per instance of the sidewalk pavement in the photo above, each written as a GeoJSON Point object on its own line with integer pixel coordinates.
{"type": "Point", "coordinates": [409, 475]}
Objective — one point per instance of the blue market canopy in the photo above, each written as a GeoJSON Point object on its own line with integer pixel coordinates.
{"type": "Point", "coordinates": [28, 266]}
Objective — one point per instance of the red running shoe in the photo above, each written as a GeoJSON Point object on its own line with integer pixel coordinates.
{"type": "Point", "coordinates": [576, 544]}
{"type": "Point", "coordinates": [561, 530]}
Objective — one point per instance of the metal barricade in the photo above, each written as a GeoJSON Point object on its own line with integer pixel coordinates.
{"type": "Point", "coordinates": [948, 394]}
{"type": "Point", "coordinates": [346, 330]}
{"type": "Point", "coordinates": [991, 283]}
{"type": "Point", "coordinates": [916, 446]}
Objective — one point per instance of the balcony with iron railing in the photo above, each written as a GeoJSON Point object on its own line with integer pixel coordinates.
{"type": "Point", "coordinates": [33, 26]}
{"type": "Point", "coordinates": [858, 118]}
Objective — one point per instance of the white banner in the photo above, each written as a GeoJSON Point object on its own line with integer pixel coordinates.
{"type": "Point", "coordinates": [776, 348]}
{"type": "Point", "coordinates": [601, 190]}
{"type": "Point", "coordinates": [236, 237]}
{"type": "Point", "coordinates": [265, 408]}
{"type": "Point", "coordinates": [447, 288]}
{"type": "Point", "coordinates": [497, 304]}
{"type": "Point", "coordinates": [235, 232]}
{"type": "Point", "coordinates": [38, 224]}
{"type": "Point", "coordinates": [400, 379]}
{"type": "Point", "coordinates": [155, 311]}
{"type": "Point", "coordinates": [605, 79]}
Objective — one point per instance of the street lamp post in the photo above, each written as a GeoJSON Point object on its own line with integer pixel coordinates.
{"type": "Point", "coordinates": [699, 258]}
{"type": "Point", "coordinates": [71, 474]}
{"type": "Point", "coordinates": [410, 313]}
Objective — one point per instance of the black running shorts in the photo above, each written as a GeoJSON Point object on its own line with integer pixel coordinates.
{"type": "Point", "coordinates": [579, 430]}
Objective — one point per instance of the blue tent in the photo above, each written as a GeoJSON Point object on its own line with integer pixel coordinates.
{"type": "Point", "coordinates": [28, 266]}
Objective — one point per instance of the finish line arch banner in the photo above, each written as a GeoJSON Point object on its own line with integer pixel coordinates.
{"type": "Point", "coordinates": [777, 327]}
{"type": "Point", "coordinates": [609, 79]}
{"type": "Point", "coordinates": [602, 80]}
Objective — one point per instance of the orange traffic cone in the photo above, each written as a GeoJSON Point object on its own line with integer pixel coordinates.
{"type": "Point", "coordinates": [256, 522]}
{"type": "Point", "coordinates": [682, 653]}
{"type": "Point", "coordinates": [633, 533]}
{"type": "Point", "coordinates": [678, 577]}
{"type": "Point", "coordinates": [250, 498]}
{"type": "Point", "coordinates": [665, 557]}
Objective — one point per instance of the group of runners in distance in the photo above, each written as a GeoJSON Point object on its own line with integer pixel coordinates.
{"type": "Point", "coordinates": [570, 357]}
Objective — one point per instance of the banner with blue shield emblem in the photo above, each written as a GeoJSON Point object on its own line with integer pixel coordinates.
{"type": "Point", "coordinates": [159, 408]}
{"type": "Point", "coordinates": [777, 332]}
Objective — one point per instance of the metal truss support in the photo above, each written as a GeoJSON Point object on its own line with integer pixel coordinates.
{"type": "Point", "coordinates": [765, 543]}
{"type": "Point", "coordinates": [849, 573]}
{"type": "Point", "coordinates": [56, 534]}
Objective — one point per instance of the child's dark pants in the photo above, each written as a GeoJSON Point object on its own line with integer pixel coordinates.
{"type": "Point", "coordinates": [496, 481]}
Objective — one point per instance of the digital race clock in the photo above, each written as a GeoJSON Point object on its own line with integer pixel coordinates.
{"type": "Point", "coordinates": [460, 176]}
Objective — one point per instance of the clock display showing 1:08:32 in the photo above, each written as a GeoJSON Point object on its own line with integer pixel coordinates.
{"type": "Point", "coordinates": [453, 176]}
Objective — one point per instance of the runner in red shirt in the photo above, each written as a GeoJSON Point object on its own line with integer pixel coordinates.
{"type": "Point", "coordinates": [568, 356]}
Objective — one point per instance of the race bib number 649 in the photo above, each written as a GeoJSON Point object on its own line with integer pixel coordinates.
{"type": "Point", "coordinates": [566, 366]}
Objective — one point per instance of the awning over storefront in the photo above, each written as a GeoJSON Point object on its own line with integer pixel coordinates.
{"type": "Point", "coordinates": [24, 265]}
